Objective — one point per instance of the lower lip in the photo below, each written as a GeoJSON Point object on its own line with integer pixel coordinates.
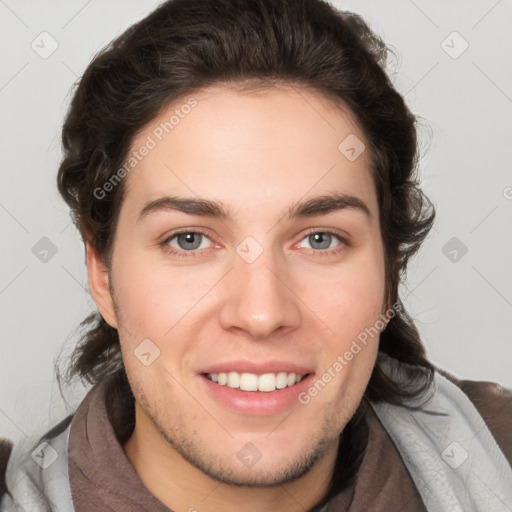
{"type": "Point", "coordinates": [258, 403]}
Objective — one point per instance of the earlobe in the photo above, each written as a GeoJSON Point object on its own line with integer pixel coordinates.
{"type": "Point", "coordinates": [386, 315]}
{"type": "Point", "coordinates": [99, 285]}
{"type": "Point", "coordinates": [385, 319]}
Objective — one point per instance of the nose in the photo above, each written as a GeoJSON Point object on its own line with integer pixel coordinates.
{"type": "Point", "coordinates": [258, 298]}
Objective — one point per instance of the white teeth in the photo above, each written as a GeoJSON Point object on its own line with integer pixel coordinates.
{"type": "Point", "coordinates": [233, 380]}
{"type": "Point", "coordinates": [267, 382]}
{"type": "Point", "coordinates": [281, 380]}
{"type": "Point", "coordinates": [251, 382]}
{"type": "Point", "coordinates": [248, 382]}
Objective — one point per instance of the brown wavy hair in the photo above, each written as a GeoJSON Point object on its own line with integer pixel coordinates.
{"type": "Point", "coordinates": [184, 46]}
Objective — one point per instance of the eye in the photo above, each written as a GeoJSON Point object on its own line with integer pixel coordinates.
{"type": "Point", "coordinates": [185, 242]}
{"type": "Point", "coordinates": [321, 241]}
{"type": "Point", "coordinates": [190, 243]}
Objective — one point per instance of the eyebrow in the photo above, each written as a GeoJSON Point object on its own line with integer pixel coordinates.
{"type": "Point", "coordinates": [320, 205]}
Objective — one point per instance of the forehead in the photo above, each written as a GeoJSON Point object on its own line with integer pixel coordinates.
{"type": "Point", "coordinates": [248, 148]}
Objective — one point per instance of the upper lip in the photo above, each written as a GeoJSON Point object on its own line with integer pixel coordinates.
{"type": "Point", "coordinates": [243, 366]}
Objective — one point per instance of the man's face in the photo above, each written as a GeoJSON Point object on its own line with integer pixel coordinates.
{"type": "Point", "coordinates": [254, 293]}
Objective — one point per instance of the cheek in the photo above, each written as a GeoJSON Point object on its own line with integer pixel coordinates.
{"type": "Point", "coordinates": [152, 298]}
{"type": "Point", "coordinates": [349, 298]}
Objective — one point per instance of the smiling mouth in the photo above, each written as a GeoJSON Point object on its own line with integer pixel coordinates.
{"type": "Point", "coordinates": [266, 382]}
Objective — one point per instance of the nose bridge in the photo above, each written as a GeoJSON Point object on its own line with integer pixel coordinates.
{"type": "Point", "coordinates": [259, 300]}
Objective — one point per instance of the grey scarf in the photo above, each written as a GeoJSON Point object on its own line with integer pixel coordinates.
{"type": "Point", "coordinates": [446, 446]}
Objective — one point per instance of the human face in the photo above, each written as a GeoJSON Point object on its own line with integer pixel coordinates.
{"type": "Point", "coordinates": [255, 292]}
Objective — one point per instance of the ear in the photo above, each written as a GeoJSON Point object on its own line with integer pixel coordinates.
{"type": "Point", "coordinates": [387, 313]}
{"type": "Point", "coordinates": [99, 285]}
{"type": "Point", "coordinates": [389, 310]}
{"type": "Point", "coordinates": [386, 317]}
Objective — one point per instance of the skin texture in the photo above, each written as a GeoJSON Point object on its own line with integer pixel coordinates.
{"type": "Point", "coordinates": [258, 153]}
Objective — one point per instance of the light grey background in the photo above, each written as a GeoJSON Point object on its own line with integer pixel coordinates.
{"type": "Point", "coordinates": [462, 308]}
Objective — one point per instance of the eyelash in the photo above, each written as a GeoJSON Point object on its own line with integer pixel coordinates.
{"type": "Point", "coordinates": [183, 254]}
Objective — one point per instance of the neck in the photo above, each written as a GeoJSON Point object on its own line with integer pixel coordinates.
{"type": "Point", "coordinates": [181, 486]}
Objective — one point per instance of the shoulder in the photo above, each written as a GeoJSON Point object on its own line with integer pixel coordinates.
{"type": "Point", "coordinates": [494, 403]}
{"type": "Point", "coordinates": [34, 471]}
{"type": "Point", "coordinates": [5, 452]}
